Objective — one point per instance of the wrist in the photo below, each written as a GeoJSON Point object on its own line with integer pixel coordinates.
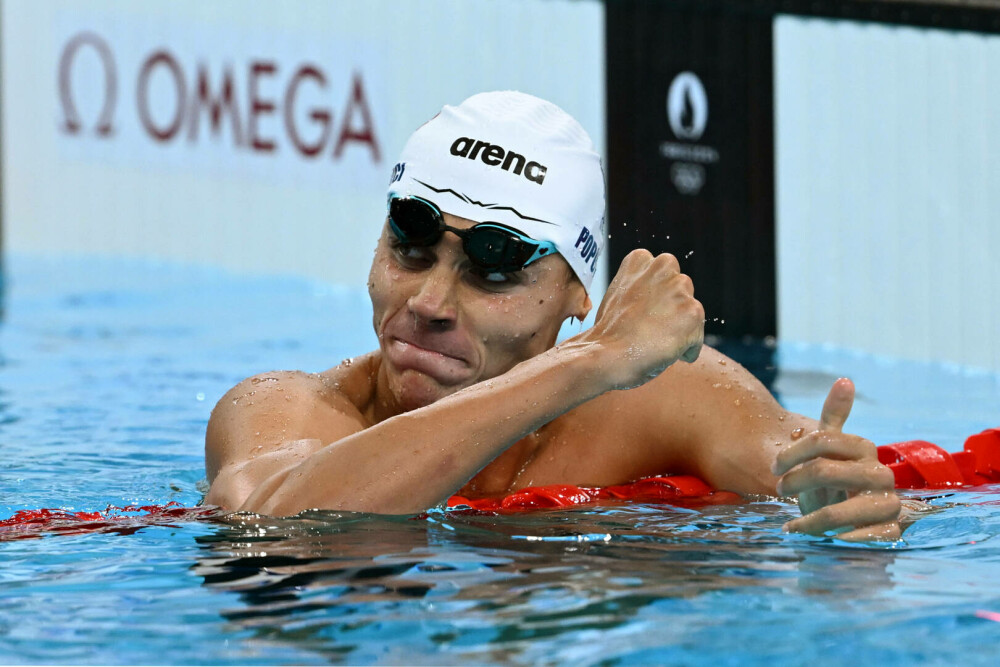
{"type": "Point", "coordinates": [593, 364]}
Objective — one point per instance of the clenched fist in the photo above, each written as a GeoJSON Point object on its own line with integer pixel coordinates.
{"type": "Point", "coordinates": [648, 319]}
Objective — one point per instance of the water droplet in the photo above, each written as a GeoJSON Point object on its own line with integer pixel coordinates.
{"type": "Point", "coordinates": [781, 418]}
{"type": "Point", "coordinates": [691, 252]}
{"type": "Point", "coordinates": [716, 385]}
{"type": "Point", "coordinates": [737, 402]}
{"type": "Point", "coordinates": [200, 396]}
{"type": "Point", "coordinates": [722, 362]}
{"type": "Point", "coordinates": [797, 433]}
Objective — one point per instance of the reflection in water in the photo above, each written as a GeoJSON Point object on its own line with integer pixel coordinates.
{"type": "Point", "coordinates": [465, 586]}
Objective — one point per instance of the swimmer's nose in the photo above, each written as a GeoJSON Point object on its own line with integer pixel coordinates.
{"type": "Point", "coordinates": [434, 303]}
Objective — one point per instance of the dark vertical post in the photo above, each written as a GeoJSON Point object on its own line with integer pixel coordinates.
{"type": "Point", "coordinates": [691, 150]}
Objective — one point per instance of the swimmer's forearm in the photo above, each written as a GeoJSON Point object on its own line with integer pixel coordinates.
{"type": "Point", "coordinates": [418, 459]}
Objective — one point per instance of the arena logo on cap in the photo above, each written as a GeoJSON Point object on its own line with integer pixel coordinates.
{"type": "Point", "coordinates": [495, 155]}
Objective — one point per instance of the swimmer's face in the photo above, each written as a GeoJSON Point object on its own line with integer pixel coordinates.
{"type": "Point", "coordinates": [444, 325]}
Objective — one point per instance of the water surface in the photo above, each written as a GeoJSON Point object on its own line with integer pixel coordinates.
{"type": "Point", "coordinates": [108, 372]}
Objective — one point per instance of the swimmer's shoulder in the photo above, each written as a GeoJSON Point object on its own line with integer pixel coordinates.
{"type": "Point", "coordinates": [670, 410]}
{"type": "Point", "coordinates": [276, 405]}
{"type": "Point", "coordinates": [347, 387]}
{"type": "Point", "coordinates": [686, 408]}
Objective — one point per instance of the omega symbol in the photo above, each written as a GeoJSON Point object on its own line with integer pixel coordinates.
{"type": "Point", "coordinates": [71, 119]}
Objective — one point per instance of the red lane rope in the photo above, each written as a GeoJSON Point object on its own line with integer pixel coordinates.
{"type": "Point", "coordinates": [916, 464]}
{"type": "Point", "coordinates": [29, 524]}
{"type": "Point", "coordinates": [675, 490]}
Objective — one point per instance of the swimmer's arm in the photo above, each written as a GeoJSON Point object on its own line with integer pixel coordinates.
{"type": "Point", "coordinates": [736, 436]}
{"type": "Point", "coordinates": [323, 457]}
{"type": "Point", "coordinates": [715, 420]}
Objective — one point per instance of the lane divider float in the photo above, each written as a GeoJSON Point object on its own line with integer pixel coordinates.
{"type": "Point", "coordinates": [916, 464]}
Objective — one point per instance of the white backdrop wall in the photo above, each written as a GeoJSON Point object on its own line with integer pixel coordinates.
{"type": "Point", "coordinates": [888, 189]}
{"type": "Point", "coordinates": [111, 143]}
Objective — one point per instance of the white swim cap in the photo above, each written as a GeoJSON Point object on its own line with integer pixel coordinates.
{"type": "Point", "coordinates": [512, 158]}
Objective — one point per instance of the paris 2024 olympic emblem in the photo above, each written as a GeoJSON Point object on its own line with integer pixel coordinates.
{"type": "Point", "coordinates": [687, 114]}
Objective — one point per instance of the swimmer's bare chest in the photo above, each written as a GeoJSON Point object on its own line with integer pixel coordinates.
{"type": "Point", "coordinates": [600, 443]}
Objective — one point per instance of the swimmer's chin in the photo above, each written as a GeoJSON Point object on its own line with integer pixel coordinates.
{"type": "Point", "coordinates": [413, 390]}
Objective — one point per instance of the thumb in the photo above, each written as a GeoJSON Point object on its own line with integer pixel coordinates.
{"type": "Point", "coordinates": [837, 406]}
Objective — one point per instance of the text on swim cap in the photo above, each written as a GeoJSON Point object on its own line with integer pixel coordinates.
{"type": "Point", "coordinates": [494, 155]}
{"type": "Point", "coordinates": [587, 245]}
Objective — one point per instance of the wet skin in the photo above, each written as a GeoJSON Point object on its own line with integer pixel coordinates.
{"type": "Point", "coordinates": [467, 392]}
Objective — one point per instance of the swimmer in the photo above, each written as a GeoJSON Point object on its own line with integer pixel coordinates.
{"type": "Point", "coordinates": [493, 231]}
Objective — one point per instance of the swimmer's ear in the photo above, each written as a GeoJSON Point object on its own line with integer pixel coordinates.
{"type": "Point", "coordinates": [579, 303]}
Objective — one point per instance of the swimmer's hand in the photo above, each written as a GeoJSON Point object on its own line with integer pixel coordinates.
{"type": "Point", "coordinates": [648, 319]}
{"type": "Point", "coordinates": [841, 486]}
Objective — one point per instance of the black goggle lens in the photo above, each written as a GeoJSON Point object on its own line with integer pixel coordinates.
{"type": "Point", "coordinates": [488, 245]}
{"type": "Point", "coordinates": [415, 222]}
{"type": "Point", "coordinates": [494, 248]}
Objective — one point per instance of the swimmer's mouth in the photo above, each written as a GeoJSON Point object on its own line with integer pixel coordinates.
{"type": "Point", "coordinates": [443, 353]}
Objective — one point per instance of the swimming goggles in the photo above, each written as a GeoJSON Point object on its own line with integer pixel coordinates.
{"type": "Point", "coordinates": [489, 245]}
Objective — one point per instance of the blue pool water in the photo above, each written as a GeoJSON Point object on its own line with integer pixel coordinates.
{"type": "Point", "coordinates": [108, 372]}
